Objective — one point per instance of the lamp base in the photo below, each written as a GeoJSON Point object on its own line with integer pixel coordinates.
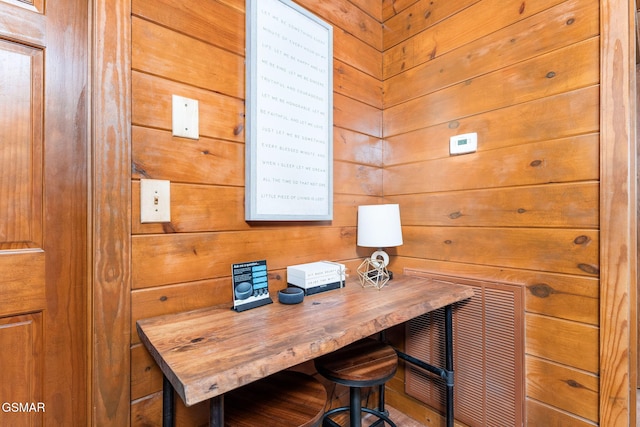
{"type": "Point", "coordinates": [373, 274]}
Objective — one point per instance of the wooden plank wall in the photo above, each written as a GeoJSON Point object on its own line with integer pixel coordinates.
{"type": "Point", "coordinates": [525, 208]}
{"type": "Point", "coordinates": [196, 49]}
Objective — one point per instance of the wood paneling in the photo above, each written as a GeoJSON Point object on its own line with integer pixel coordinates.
{"type": "Point", "coordinates": [352, 114]}
{"type": "Point", "coordinates": [619, 252]}
{"type": "Point", "coordinates": [479, 20]}
{"type": "Point", "coordinates": [182, 257]}
{"type": "Point", "coordinates": [177, 57]}
{"type": "Point", "coordinates": [349, 81]}
{"type": "Point", "coordinates": [558, 295]}
{"type": "Point", "coordinates": [418, 17]}
{"type": "Point", "coordinates": [111, 213]}
{"type": "Point", "coordinates": [391, 8]}
{"type": "Point", "coordinates": [576, 347]}
{"type": "Point", "coordinates": [203, 161]}
{"type": "Point", "coordinates": [525, 208]}
{"type": "Point", "coordinates": [197, 51]}
{"type": "Point", "coordinates": [353, 51]}
{"type": "Point", "coordinates": [541, 415]}
{"type": "Point", "coordinates": [566, 160]}
{"type": "Point", "coordinates": [197, 19]}
{"type": "Point", "coordinates": [560, 116]}
{"type": "Point", "coordinates": [220, 116]}
{"type": "Point", "coordinates": [562, 387]}
{"type": "Point", "coordinates": [550, 250]}
{"type": "Point", "coordinates": [350, 18]}
{"type": "Point", "coordinates": [551, 29]}
{"type": "Point", "coordinates": [356, 147]}
{"type": "Point", "coordinates": [359, 179]}
{"type": "Point", "coordinates": [372, 7]}
{"type": "Point", "coordinates": [542, 76]}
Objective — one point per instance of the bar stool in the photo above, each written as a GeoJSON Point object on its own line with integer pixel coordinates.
{"type": "Point", "coordinates": [284, 399]}
{"type": "Point", "coordinates": [365, 363]}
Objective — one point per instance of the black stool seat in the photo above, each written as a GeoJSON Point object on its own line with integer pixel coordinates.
{"type": "Point", "coordinates": [365, 363]}
{"type": "Point", "coordinates": [285, 399]}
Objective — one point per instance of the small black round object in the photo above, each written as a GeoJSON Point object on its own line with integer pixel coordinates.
{"type": "Point", "coordinates": [291, 295]}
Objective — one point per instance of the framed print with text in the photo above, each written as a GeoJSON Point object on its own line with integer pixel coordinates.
{"type": "Point", "coordinates": [289, 147]}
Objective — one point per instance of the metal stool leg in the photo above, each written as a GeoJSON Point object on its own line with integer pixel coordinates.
{"type": "Point", "coordinates": [355, 416]}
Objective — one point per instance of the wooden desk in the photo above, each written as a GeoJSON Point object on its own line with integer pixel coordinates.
{"type": "Point", "coordinates": [205, 353]}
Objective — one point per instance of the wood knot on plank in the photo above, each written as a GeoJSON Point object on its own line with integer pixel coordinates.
{"type": "Point", "coordinates": [163, 298]}
{"type": "Point", "coordinates": [522, 8]}
{"type": "Point", "coordinates": [574, 384]}
{"type": "Point", "coordinates": [522, 210]}
{"type": "Point", "coordinates": [541, 290]}
{"type": "Point", "coordinates": [536, 163]}
{"type": "Point", "coordinates": [589, 268]}
{"type": "Point", "coordinates": [454, 124]}
{"type": "Point", "coordinates": [455, 215]}
{"type": "Point", "coordinates": [582, 240]}
{"type": "Point", "coordinates": [448, 242]}
{"type": "Point", "coordinates": [238, 129]}
{"type": "Point", "coordinates": [551, 74]}
{"type": "Point", "coordinates": [570, 21]}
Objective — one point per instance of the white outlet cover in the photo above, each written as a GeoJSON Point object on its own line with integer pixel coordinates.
{"type": "Point", "coordinates": [155, 200]}
{"type": "Point", "coordinates": [185, 121]}
{"type": "Point", "coordinates": [463, 144]}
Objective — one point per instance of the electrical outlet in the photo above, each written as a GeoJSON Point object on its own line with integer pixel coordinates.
{"type": "Point", "coordinates": [155, 200]}
{"type": "Point", "coordinates": [185, 119]}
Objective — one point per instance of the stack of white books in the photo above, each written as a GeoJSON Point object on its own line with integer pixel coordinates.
{"type": "Point", "coordinates": [315, 277]}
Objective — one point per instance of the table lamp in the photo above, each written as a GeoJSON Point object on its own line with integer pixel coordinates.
{"type": "Point", "coordinates": [378, 227]}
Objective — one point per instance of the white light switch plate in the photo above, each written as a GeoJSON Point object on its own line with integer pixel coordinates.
{"type": "Point", "coordinates": [155, 200]}
{"type": "Point", "coordinates": [185, 117]}
{"type": "Point", "coordinates": [463, 144]}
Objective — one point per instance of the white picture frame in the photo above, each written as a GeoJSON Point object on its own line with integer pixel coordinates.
{"type": "Point", "coordinates": [289, 113]}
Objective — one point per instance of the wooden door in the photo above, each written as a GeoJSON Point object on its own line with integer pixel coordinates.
{"type": "Point", "coordinates": [43, 213]}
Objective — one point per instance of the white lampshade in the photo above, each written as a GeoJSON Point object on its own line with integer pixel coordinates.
{"type": "Point", "coordinates": [379, 226]}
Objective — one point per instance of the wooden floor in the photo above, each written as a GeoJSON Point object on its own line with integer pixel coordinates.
{"type": "Point", "coordinates": [397, 417]}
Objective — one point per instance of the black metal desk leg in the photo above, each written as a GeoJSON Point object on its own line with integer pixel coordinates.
{"type": "Point", "coordinates": [216, 411]}
{"type": "Point", "coordinates": [448, 336]}
{"type": "Point", "coordinates": [168, 403]}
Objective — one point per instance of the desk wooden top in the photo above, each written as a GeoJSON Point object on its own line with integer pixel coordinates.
{"type": "Point", "coordinates": [207, 352]}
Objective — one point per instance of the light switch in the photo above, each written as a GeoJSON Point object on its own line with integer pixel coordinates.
{"type": "Point", "coordinates": [185, 117]}
{"type": "Point", "coordinates": [155, 200]}
{"type": "Point", "coordinates": [463, 144]}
